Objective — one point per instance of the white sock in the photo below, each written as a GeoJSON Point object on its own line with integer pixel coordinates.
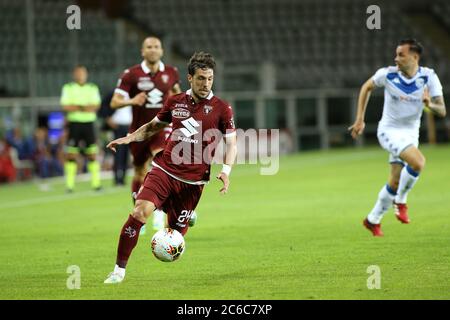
{"type": "Point", "coordinates": [119, 270]}
{"type": "Point", "coordinates": [384, 202]}
{"type": "Point", "coordinates": [408, 178]}
{"type": "Point", "coordinates": [158, 217]}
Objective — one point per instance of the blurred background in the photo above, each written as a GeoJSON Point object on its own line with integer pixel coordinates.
{"type": "Point", "coordinates": [293, 65]}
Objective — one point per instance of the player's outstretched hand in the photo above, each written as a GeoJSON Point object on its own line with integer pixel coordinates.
{"type": "Point", "coordinates": [113, 144]}
{"type": "Point", "coordinates": [357, 129]}
{"type": "Point", "coordinates": [226, 182]}
{"type": "Point", "coordinates": [139, 99]}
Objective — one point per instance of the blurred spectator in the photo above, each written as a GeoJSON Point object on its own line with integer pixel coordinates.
{"type": "Point", "coordinates": [119, 121]}
{"type": "Point", "coordinates": [22, 152]}
{"type": "Point", "coordinates": [7, 170]}
{"type": "Point", "coordinates": [23, 145]}
{"type": "Point", "coordinates": [46, 157]}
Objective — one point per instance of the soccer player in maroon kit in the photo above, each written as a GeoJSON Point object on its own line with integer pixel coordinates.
{"type": "Point", "coordinates": [175, 183]}
{"type": "Point", "coordinates": [145, 87]}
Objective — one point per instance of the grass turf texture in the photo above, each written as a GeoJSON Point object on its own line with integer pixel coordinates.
{"type": "Point", "coordinates": [294, 235]}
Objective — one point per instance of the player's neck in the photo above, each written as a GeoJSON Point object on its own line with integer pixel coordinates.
{"type": "Point", "coordinates": [154, 67]}
{"type": "Point", "coordinates": [411, 72]}
{"type": "Point", "coordinates": [196, 97]}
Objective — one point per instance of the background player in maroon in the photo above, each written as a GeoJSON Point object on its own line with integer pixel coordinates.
{"type": "Point", "coordinates": [175, 183]}
{"type": "Point", "coordinates": [146, 86]}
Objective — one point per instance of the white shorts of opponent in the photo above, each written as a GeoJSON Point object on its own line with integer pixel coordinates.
{"type": "Point", "coordinates": [395, 141]}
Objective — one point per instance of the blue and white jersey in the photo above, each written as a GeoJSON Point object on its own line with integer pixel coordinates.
{"type": "Point", "coordinates": [403, 106]}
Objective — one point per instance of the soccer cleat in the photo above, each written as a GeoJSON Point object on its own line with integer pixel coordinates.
{"type": "Point", "coordinates": [116, 276]}
{"type": "Point", "coordinates": [374, 228]}
{"type": "Point", "coordinates": [143, 230]}
{"type": "Point", "coordinates": [401, 212]}
{"type": "Point", "coordinates": [193, 219]}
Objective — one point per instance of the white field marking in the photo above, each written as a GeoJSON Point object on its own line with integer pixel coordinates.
{"type": "Point", "coordinates": [56, 198]}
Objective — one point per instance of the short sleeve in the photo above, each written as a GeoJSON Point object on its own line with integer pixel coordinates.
{"type": "Point", "coordinates": [226, 125]}
{"type": "Point", "coordinates": [124, 84]}
{"type": "Point", "coordinates": [379, 78]}
{"type": "Point", "coordinates": [65, 95]}
{"type": "Point", "coordinates": [165, 114]}
{"type": "Point", "coordinates": [96, 99]}
{"type": "Point", "coordinates": [434, 86]}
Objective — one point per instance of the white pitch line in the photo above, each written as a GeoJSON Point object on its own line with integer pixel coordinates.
{"type": "Point", "coordinates": [50, 199]}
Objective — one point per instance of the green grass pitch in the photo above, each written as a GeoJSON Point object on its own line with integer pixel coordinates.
{"type": "Point", "coordinates": [294, 235]}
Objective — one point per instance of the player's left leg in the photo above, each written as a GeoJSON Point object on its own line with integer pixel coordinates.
{"type": "Point", "coordinates": [89, 137]}
{"type": "Point", "coordinates": [94, 167]}
{"type": "Point", "coordinates": [408, 178]}
{"type": "Point", "coordinates": [70, 168]}
{"type": "Point", "coordinates": [385, 199]}
{"type": "Point", "coordinates": [129, 236]}
{"type": "Point", "coordinates": [71, 154]}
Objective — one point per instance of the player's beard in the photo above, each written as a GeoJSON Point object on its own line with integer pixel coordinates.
{"type": "Point", "coordinates": [198, 94]}
{"type": "Point", "coordinates": [152, 60]}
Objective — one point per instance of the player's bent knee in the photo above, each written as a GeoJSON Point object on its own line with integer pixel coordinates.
{"type": "Point", "coordinates": [142, 210]}
{"type": "Point", "coordinates": [418, 164]}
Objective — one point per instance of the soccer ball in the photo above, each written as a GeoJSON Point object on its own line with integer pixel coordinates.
{"type": "Point", "coordinates": [168, 245]}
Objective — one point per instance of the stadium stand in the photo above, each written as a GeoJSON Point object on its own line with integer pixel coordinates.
{"type": "Point", "coordinates": [313, 44]}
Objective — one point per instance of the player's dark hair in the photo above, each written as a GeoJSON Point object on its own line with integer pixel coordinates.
{"type": "Point", "coordinates": [152, 36]}
{"type": "Point", "coordinates": [201, 60]}
{"type": "Point", "coordinates": [414, 45]}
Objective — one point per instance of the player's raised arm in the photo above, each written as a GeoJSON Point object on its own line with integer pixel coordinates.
{"type": "Point", "coordinates": [230, 156]}
{"type": "Point", "coordinates": [364, 94]}
{"type": "Point", "coordinates": [141, 134]}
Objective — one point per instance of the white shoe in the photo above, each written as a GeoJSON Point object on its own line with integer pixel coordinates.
{"type": "Point", "coordinates": [116, 276]}
{"type": "Point", "coordinates": [158, 219]}
{"type": "Point", "coordinates": [193, 219]}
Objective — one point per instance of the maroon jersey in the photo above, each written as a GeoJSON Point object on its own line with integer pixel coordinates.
{"type": "Point", "coordinates": [197, 129]}
{"type": "Point", "coordinates": [157, 86]}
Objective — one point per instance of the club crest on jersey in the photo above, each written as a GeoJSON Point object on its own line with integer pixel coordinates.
{"type": "Point", "coordinates": [180, 113]}
{"type": "Point", "coordinates": [420, 82]}
{"type": "Point", "coordinates": [165, 78]}
{"type": "Point", "coordinates": [145, 84]}
{"type": "Point", "coordinates": [207, 109]}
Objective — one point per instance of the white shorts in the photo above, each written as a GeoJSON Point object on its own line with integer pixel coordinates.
{"type": "Point", "coordinates": [395, 141]}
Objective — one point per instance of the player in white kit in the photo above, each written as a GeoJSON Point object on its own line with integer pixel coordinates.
{"type": "Point", "coordinates": [408, 88]}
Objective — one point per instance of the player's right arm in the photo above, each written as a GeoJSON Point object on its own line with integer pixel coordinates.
{"type": "Point", "coordinates": [121, 97]}
{"type": "Point", "coordinates": [364, 94]}
{"type": "Point", "coordinates": [141, 134]}
{"type": "Point", "coordinates": [119, 101]}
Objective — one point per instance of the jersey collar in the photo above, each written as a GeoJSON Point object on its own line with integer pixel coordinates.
{"type": "Point", "coordinates": [209, 97]}
{"type": "Point", "coordinates": [146, 69]}
{"type": "Point", "coordinates": [410, 80]}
